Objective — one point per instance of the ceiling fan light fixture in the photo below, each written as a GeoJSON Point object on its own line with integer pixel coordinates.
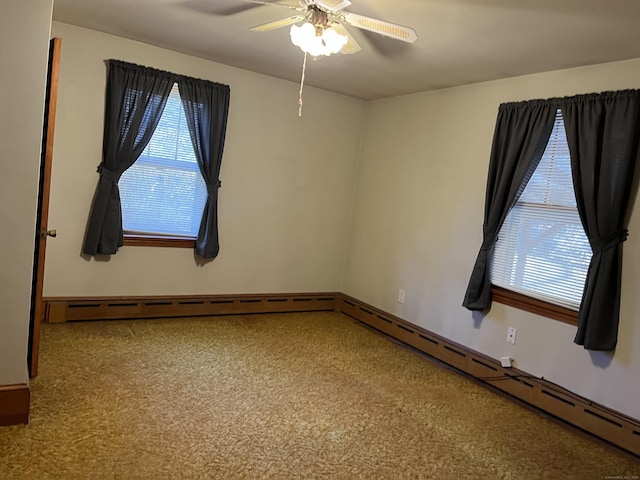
{"type": "Point", "coordinates": [317, 41]}
{"type": "Point", "coordinates": [334, 40]}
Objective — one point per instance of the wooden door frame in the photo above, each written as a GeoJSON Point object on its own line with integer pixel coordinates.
{"type": "Point", "coordinates": [37, 305]}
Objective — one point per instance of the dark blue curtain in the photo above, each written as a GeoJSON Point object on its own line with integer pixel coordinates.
{"type": "Point", "coordinates": [521, 135]}
{"type": "Point", "coordinates": [603, 133]}
{"type": "Point", "coordinates": [206, 106]}
{"type": "Point", "coordinates": [135, 100]}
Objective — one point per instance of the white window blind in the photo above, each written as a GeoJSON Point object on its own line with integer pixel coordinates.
{"type": "Point", "coordinates": [542, 250]}
{"type": "Point", "coordinates": [163, 192]}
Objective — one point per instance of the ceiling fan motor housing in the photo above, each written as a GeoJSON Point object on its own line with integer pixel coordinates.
{"type": "Point", "coordinates": [318, 19]}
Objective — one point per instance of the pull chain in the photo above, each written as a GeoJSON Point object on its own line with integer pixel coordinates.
{"type": "Point", "coordinates": [304, 68]}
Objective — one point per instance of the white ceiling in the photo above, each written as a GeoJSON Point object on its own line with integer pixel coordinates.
{"type": "Point", "coordinates": [459, 41]}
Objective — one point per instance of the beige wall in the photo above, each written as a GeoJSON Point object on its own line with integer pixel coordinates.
{"type": "Point", "coordinates": [24, 46]}
{"type": "Point", "coordinates": [285, 182]}
{"type": "Point", "coordinates": [417, 225]}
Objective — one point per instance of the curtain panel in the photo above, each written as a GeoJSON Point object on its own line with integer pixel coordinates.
{"type": "Point", "coordinates": [206, 107]}
{"type": "Point", "coordinates": [521, 135]}
{"type": "Point", "coordinates": [135, 99]}
{"type": "Point", "coordinates": [603, 133]}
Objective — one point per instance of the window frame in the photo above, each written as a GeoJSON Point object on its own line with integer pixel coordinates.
{"type": "Point", "coordinates": [522, 301]}
{"type": "Point", "coordinates": [533, 305]}
{"type": "Point", "coordinates": [142, 239]}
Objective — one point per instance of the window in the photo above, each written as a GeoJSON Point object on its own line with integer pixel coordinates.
{"type": "Point", "coordinates": [602, 130]}
{"type": "Point", "coordinates": [542, 250]}
{"type": "Point", "coordinates": [163, 193]}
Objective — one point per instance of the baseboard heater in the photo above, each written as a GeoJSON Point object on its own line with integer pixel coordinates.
{"type": "Point", "coordinates": [605, 423]}
{"type": "Point", "coordinates": [58, 310]}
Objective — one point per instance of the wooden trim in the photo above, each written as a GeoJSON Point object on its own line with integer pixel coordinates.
{"type": "Point", "coordinates": [106, 308]}
{"type": "Point", "coordinates": [150, 241]}
{"type": "Point", "coordinates": [600, 421]}
{"type": "Point", "coordinates": [14, 404]}
{"type": "Point", "coordinates": [533, 305]}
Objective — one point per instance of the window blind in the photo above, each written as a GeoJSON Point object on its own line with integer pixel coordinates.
{"type": "Point", "coordinates": [163, 192]}
{"type": "Point", "coordinates": [542, 250]}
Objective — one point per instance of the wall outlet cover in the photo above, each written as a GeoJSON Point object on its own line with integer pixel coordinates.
{"type": "Point", "coordinates": [506, 362]}
{"type": "Point", "coordinates": [401, 294]}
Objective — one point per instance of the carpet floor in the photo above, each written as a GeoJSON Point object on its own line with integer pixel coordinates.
{"type": "Point", "coordinates": [290, 396]}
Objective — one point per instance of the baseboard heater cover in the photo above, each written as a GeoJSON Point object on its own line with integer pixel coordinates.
{"type": "Point", "coordinates": [63, 309]}
{"type": "Point", "coordinates": [14, 404]}
{"type": "Point", "coordinates": [607, 424]}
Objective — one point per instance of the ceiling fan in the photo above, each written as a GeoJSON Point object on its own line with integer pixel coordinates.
{"type": "Point", "coordinates": [323, 31]}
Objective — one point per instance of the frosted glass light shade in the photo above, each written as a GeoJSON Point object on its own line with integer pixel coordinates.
{"type": "Point", "coordinates": [306, 37]}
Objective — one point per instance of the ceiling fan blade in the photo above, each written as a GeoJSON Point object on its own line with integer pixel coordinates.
{"type": "Point", "coordinates": [332, 6]}
{"type": "Point", "coordinates": [387, 29]}
{"type": "Point", "coordinates": [293, 4]}
{"type": "Point", "coordinates": [351, 46]}
{"type": "Point", "coordinates": [223, 9]}
{"type": "Point", "coordinates": [226, 8]}
{"type": "Point", "coordinates": [265, 27]}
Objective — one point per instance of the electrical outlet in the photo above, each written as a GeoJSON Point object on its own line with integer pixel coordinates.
{"type": "Point", "coordinates": [506, 362]}
{"type": "Point", "coordinates": [511, 335]}
{"type": "Point", "coordinates": [401, 296]}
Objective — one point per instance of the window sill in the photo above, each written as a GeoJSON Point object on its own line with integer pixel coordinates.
{"type": "Point", "coordinates": [533, 305]}
{"type": "Point", "coordinates": [150, 241]}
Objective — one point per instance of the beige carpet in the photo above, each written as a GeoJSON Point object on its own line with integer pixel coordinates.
{"type": "Point", "coordinates": [292, 396]}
